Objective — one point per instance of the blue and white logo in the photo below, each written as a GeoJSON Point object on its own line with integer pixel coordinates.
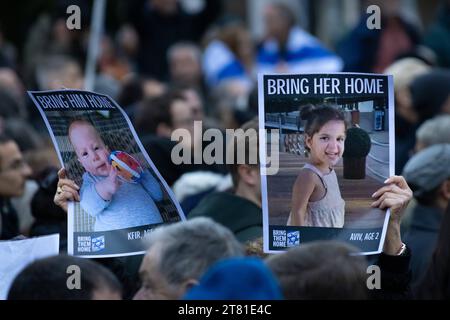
{"type": "Point", "coordinates": [293, 239]}
{"type": "Point", "coordinates": [98, 243]}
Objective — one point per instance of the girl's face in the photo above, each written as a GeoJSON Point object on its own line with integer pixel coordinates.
{"type": "Point", "coordinates": [327, 145]}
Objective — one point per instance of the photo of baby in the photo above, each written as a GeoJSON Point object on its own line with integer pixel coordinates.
{"type": "Point", "coordinates": [113, 203]}
{"type": "Point", "coordinates": [120, 195]}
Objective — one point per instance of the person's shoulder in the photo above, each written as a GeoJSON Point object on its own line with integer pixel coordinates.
{"type": "Point", "coordinates": [307, 177]}
{"type": "Point", "coordinates": [212, 203]}
{"type": "Point", "coordinates": [307, 173]}
{"type": "Point", "coordinates": [217, 197]}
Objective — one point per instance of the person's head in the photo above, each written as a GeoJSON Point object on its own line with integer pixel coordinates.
{"type": "Point", "coordinates": [164, 114]}
{"type": "Point", "coordinates": [244, 167]}
{"type": "Point", "coordinates": [56, 72]}
{"type": "Point", "coordinates": [320, 270]}
{"type": "Point", "coordinates": [388, 9]}
{"type": "Point", "coordinates": [433, 131]}
{"type": "Point", "coordinates": [14, 171]}
{"type": "Point", "coordinates": [430, 94]}
{"type": "Point", "coordinates": [236, 279]}
{"type": "Point", "coordinates": [89, 147]}
{"type": "Point", "coordinates": [428, 175]}
{"type": "Point", "coordinates": [10, 81]}
{"type": "Point", "coordinates": [279, 19]}
{"type": "Point", "coordinates": [153, 88]}
{"type": "Point", "coordinates": [184, 60]}
{"type": "Point", "coordinates": [24, 134]}
{"type": "Point", "coordinates": [180, 253]}
{"type": "Point", "coordinates": [10, 107]}
{"type": "Point", "coordinates": [229, 96]}
{"type": "Point", "coordinates": [404, 72]}
{"type": "Point", "coordinates": [238, 39]}
{"type": "Point", "coordinates": [49, 279]}
{"type": "Point", "coordinates": [164, 7]}
{"type": "Point", "coordinates": [325, 130]}
{"type": "Point", "coordinates": [127, 40]}
{"type": "Point", "coordinates": [192, 97]}
{"type": "Point", "coordinates": [42, 158]}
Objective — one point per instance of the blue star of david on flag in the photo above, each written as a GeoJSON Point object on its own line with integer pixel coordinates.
{"type": "Point", "coordinates": [293, 238]}
{"type": "Point", "coordinates": [98, 243]}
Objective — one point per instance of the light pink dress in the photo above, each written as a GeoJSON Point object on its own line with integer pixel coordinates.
{"type": "Point", "coordinates": [330, 210]}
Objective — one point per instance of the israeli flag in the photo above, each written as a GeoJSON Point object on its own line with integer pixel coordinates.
{"type": "Point", "coordinates": [293, 239]}
{"type": "Point", "coordinates": [98, 243]}
{"type": "Point", "coordinates": [304, 53]}
{"type": "Point", "coordinates": [220, 64]}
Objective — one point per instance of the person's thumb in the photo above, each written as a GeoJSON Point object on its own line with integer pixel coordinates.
{"type": "Point", "coordinates": [62, 173]}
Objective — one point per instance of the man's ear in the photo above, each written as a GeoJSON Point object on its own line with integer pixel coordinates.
{"type": "Point", "coordinates": [445, 189]}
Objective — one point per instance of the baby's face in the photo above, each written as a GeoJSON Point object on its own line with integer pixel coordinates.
{"type": "Point", "coordinates": [90, 149]}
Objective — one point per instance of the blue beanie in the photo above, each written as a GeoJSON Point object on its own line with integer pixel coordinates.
{"type": "Point", "coordinates": [237, 279]}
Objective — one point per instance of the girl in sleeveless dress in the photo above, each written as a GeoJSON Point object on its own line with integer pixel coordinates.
{"type": "Point", "coordinates": [316, 198]}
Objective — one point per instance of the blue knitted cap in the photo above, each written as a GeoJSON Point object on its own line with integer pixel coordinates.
{"type": "Point", "coordinates": [237, 279]}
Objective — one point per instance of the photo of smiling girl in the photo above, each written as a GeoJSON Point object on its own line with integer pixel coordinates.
{"type": "Point", "coordinates": [316, 197]}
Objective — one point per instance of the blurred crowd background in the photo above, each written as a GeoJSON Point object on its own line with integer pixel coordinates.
{"type": "Point", "coordinates": [168, 63]}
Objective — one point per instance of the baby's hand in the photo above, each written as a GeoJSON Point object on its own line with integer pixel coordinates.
{"type": "Point", "coordinates": [109, 186]}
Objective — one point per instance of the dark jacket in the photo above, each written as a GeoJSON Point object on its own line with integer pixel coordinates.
{"type": "Point", "coordinates": [9, 222]}
{"type": "Point", "coordinates": [49, 218]}
{"type": "Point", "coordinates": [159, 150]}
{"type": "Point", "coordinates": [438, 37]}
{"type": "Point", "coordinates": [422, 237]}
{"type": "Point", "coordinates": [157, 32]}
{"type": "Point", "coordinates": [436, 282]}
{"type": "Point", "coordinates": [241, 216]}
{"type": "Point", "coordinates": [395, 277]}
{"type": "Point", "coordinates": [359, 47]}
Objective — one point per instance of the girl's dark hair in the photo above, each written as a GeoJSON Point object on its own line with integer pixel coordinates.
{"type": "Point", "coordinates": [317, 115]}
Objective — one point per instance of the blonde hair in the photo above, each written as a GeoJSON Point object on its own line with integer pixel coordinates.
{"type": "Point", "coordinates": [405, 71]}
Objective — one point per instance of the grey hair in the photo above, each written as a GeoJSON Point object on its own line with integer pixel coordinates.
{"type": "Point", "coordinates": [52, 67]}
{"type": "Point", "coordinates": [188, 248]}
{"type": "Point", "coordinates": [184, 45]}
{"type": "Point", "coordinates": [321, 270]}
{"type": "Point", "coordinates": [434, 131]}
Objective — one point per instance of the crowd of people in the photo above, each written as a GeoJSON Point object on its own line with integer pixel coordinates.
{"type": "Point", "coordinates": [168, 67]}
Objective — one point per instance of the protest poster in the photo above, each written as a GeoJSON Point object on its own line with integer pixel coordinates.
{"type": "Point", "coordinates": [321, 186]}
{"type": "Point", "coordinates": [122, 195]}
{"type": "Point", "coordinates": [17, 254]}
